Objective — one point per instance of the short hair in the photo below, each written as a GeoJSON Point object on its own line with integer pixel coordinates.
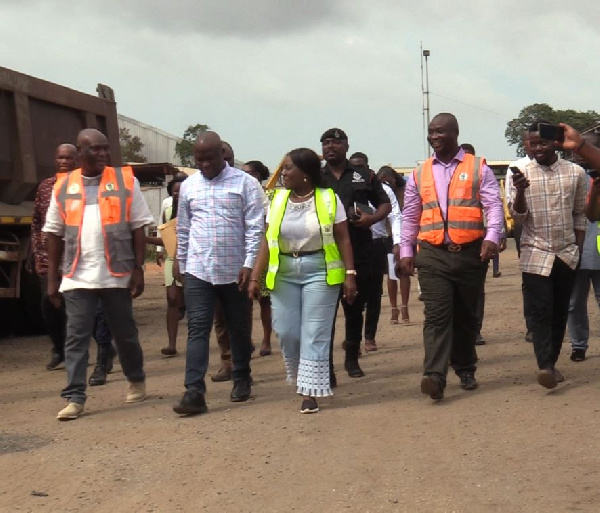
{"type": "Point", "coordinates": [359, 155]}
{"type": "Point", "coordinates": [468, 147]}
{"type": "Point", "coordinates": [259, 168]}
{"type": "Point", "coordinates": [307, 161]}
{"type": "Point", "coordinates": [177, 178]}
{"type": "Point", "coordinates": [387, 171]}
{"type": "Point", "coordinates": [450, 116]}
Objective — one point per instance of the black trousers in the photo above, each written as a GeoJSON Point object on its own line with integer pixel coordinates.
{"type": "Point", "coordinates": [547, 302]}
{"type": "Point", "coordinates": [375, 286]}
{"type": "Point", "coordinates": [451, 286]}
{"type": "Point", "coordinates": [55, 319]}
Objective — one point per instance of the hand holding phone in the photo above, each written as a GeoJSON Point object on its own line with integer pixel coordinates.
{"type": "Point", "coordinates": [518, 178]}
{"type": "Point", "coordinates": [551, 132]}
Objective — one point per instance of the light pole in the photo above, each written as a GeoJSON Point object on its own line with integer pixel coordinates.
{"type": "Point", "coordinates": [425, 89]}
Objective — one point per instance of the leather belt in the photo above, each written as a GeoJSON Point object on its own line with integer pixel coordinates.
{"type": "Point", "coordinates": [456, 248]}
{"type": "Point", "coordinates": [296, 254]}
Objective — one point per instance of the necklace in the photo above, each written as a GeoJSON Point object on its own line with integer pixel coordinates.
{"type": "Point", "coordinates": [296, 195]}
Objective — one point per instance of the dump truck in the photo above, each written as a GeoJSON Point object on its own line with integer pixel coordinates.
{"type": "Point", "coordinates": [35, 117]}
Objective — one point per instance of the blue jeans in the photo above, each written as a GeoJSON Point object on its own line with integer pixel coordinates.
{"type": "Point", "coordinates": [200, 299]}
{"type": "Point", "coordinates": [579, 326]}
{"type": "Point", "coordinates": [303, 314]}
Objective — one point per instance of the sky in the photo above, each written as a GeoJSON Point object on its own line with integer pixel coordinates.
{"type": "Point", "coordinates": [273, 75]}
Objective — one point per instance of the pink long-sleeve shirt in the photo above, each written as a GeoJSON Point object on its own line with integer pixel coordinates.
{"type": "Point", "coordinates": [489, 194]}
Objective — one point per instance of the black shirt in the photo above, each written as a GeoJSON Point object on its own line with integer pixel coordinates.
{"type": "Point", "coordinates": [361, 186]}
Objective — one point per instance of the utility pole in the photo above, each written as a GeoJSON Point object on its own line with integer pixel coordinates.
{"type": "Point", "coordinates": [425, 90]}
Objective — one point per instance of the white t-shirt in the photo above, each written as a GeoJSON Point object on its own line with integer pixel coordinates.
{"type": "Point", "coordinates": [300, 230]}
{"type": "Point", "coordinates": [92, 270]}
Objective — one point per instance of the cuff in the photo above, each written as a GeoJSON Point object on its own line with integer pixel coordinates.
{"type": "Point", "coordinates": [249, 261]}
{"type": "Point", "coordinates": [493, 236]}
{"type": "Point", "coordinates": [407, 252]}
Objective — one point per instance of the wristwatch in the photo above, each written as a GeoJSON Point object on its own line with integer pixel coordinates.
{"type": "Point", "coordinates": [141, 267]}
{"type": "Point", "coordinates": [351, 271]}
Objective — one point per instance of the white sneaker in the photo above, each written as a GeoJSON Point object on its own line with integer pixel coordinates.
{"type": "Point", "coordinates": [136, 392]}
{"type": "Point", "coordinates": [70, 412]}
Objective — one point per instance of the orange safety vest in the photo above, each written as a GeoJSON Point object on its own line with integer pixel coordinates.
{"type": "Point", "coordinates": [115, 194]}
{"type": "Point", "coordinates": [464, 216]}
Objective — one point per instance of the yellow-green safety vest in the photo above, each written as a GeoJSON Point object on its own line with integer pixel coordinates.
{"type": "Point", "coordinates": [326, 204]}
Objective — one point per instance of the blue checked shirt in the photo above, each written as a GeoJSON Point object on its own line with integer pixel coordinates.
{"type": "Point", "coordinates": [220, 224]}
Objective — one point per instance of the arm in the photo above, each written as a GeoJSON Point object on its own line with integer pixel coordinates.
{"type": "Point", "coordinates": [184, 216]}
{"type": "Point", "coordinates": [489, 194]}
{"type": "Point", "coordinates": [254, 224]}
{"type": "Point", "coordinates": [411, 216]}
{"type": "Point", "coordinates": [380, 200]}
{"type": "Point", "coordinates": [37, 223]}
{"type": "Point", "coordinates": [55, 246]}
{"type": "Point", "coordinates": [136, 283]}
{"type": "Point", "coordinates": [574, 142]}
{"type": "Point", "coordinates": [259, 266]}
{"type": "Point", "coordinates": [395, 216]}
{"type": "Point", "coordinates": [592, 209]}
{"type": "Point", "coordinates": [579, 220]}
{"type": "Point", "coordinates": [342, 240]}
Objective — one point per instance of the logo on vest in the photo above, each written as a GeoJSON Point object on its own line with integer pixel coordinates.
{"type": "Point", "coordinates": [463, 177]}
{"type": "Point", "coordinates": [110, 186]}
{"type": "Point", "coordinates": [356, 178]}
{"type": "Point", "coordinates": [73, 188]}
{"type": "Point", "coordinates": [327, 229]}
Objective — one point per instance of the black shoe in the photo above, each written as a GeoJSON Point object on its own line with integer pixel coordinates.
{"type": "Point", "coordinates": [192, 403]}
{"type": "Point", "coordinates": [528, 336]}
{"type": "Point", "coordinates": [55, 360]}
{"type": "Point", "coordinates": [479, 341]}
{"type": "Point", "coordinates": [241, 390]}
{"type": "Point", "coordinates": [98, 377]}
{"type": "Point", "coordinates": [432, 387]}
{"type": "Point", "coordinates": [309, 405]}
{"type": "Point", "coordinates": [577, 355]}
{"type": "Point", "coordinates": [351, 362]}
{"type": "Point", "coordinates": [468, 381]}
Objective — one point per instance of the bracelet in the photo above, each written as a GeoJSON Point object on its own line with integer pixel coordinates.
{"type": "Point", "coordinates": [581, 145]}
{"type": "Point", "coordinates": [351, 272]}
{"type": "Point", "coordinates": [256, 281]}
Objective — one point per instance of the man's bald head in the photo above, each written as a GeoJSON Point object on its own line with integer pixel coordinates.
{"type": "Point", "coordinates": [65, 158]}
{"type": "Point", "coordinates": [208, 154]}
{"type": "Point", "coordinates": [93, 151]}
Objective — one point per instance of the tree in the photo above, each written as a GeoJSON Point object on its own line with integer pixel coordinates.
{"type": "Point", "coordinates": [131, 146]}
{"type": "Point", "coordinates": [531, 113]}
{"type": "Point", "coordinates": [184, 149]}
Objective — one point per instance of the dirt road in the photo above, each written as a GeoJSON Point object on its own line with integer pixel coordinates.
{"type": "Point", "coordinates": [377, 445]}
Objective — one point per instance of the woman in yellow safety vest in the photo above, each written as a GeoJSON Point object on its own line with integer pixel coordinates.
{"type": "Point", "coordinates": [307, 249]}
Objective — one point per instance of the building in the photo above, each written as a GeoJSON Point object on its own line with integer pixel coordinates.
{"type": "Point", "coordinates": [159, 146]}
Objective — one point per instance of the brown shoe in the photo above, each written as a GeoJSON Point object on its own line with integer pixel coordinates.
{"type": "Point", "coordinates": [546, 378]}
{"type": "Point", "coordinates": [223, 374]}
{"type": "Point", "coordinates": [558, 376]}
{"type": "Point", "coordinates": [370, 346]}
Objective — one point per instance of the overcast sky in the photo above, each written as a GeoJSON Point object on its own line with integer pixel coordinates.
{"type": "Point", "coordinates": [273, 75]}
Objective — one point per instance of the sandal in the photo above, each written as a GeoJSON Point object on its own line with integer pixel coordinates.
{"type": "Point", "coordinates": [405, 317]}
{"type": "Point", "coordinates": [395, 312]}
{"type": "Point", "coordinates": [168, 351]}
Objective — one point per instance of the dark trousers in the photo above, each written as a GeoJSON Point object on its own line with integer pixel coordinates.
{"type": "Point", "coordinates": [200, 299]}
{"type": "Point", "coordinates": [375, 287]}
{"type": "Point", "coordinates": [451, 285]}
{"type": "Point", "coordinates": [354, 312]}
{"type": "Point", "coordinates": [481, 308]}
{"type": "Point", "coordinates": [547, 301]}
{"type": "Point", "coordinates": [55, 319]}
{"type": "Point", "coordinates": [82, 307]}
{"type": "Point", "coordinates": [102, 332]}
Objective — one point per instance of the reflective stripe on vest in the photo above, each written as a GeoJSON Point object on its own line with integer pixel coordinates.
{"type": "Point", "coordinates": [325, 204]}
{"type": "Point", "coordinates": [464, 216]}
{"type": "Point", "coordinates": [115, 194]}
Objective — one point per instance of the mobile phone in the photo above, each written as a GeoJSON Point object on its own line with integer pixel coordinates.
{"type": "Point", "coordinates": [551, 132]}
{"type": "Point", "coordinates": [516, 172]}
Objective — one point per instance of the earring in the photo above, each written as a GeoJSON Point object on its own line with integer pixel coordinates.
{"type": "Point", "coordinates": [305, 180]}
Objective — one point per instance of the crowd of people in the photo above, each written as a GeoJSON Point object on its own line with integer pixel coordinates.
{"type": "Point", "coordinates": [327, 237]}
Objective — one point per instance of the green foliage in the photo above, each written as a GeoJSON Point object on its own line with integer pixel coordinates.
{"type": "Point", "coordinates": [131, 146]}
{"type": "Point", "coordinates": [184, 149]}
{"type": "Point", "coordinates": [516, 127]}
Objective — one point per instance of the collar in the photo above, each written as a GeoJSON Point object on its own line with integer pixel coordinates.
{"type": "Point", "coordinates": [220, 176]}
{"type": "Point", "coordinates": [348, 167]}
{"type": "Point", "coordinates": [459, 157]}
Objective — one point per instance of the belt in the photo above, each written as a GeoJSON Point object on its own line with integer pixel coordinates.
{"type": "Point", "coordinates": [296, 254]}
{"type": "Point", "coordinates": [456, 248]}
